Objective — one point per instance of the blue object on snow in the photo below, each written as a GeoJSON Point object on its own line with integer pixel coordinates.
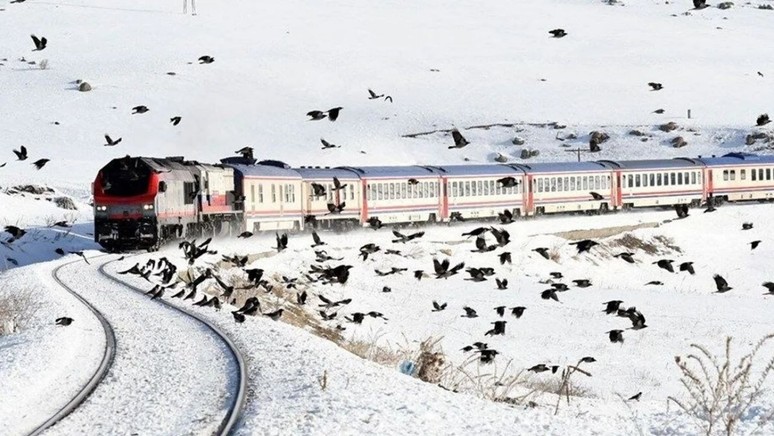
{"type": "Point", "coordinates": [408, 367]}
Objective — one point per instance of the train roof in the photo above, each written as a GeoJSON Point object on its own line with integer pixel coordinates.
{"type": "Point", "coordinates": [738, 159]}
{"type": "Point", "coordinates": [263, 171]}
{"type": "Point", "coordinates": [679, 162]}
{"type": "Point", "coordinates": [327, 173]}
{"type": "Point", "coordinates": [377, 172]}
{"type": "Point", "coordinates": [563, 167]}
{"type": "Point", "coordinates": [476, 170]}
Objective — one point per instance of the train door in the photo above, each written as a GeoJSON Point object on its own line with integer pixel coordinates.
{"type": "Point", "coordinates": [444, 199]}
{"type": "Point", "coordinates": [616, 193]}
{"type": "Point", "coordinates": [529, 199]}
{"type": "Point", "coordinates": [364, 201]}
{"type": "Point", "coordinates": [708, 184]}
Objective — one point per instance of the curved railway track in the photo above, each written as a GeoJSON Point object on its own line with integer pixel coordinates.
{"type": "Point", "coordinates": [237, 399]}
{"type": "Point", "coordinates": [107, 358]}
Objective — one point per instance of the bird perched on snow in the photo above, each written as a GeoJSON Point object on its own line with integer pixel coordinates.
{"type": "Point", "coordinates": [506, 216]}
{"type": "Point", "coordinates": [274, 315]}
{"type": "Point", "coordinates": [747, 226]}
{"type": "Point", "coordinates": [111, 142]}
{"type": "Point", "coordinates": [40, 43]}
{"type": "Point", "coordinates": [15, 232]}
{"type": "Point", "coordinates": [64, 321]}
{"type": "Point", "coordinates": [636, 397]}
{"type": "Point", "coordinates": [459, 140]}
{"type": "Point", "coordinates": [140, 109]}
{"type": "Point", "coordinates": [762, 120]}
{"type": "Point", "coordinates": [206, 59]}
{"type": "Point", "coordinates": [656, 86]}
{"type": "Point", "coordinates": [317, 241]}
{"type": "Point", "coordinates": [245, 234]}
{"type": "Point", "coordinates": [375, 223]}
{"type": "Point", "coordinates": [282, 241]}
{"type": "Point", "coordinates": [558, 33]}
{"type": "Point", "coordinates": [476, 232]}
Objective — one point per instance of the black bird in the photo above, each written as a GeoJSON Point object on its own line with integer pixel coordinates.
{"type": "Point", "coordinates": [21, 154]}
{"type": "Point", "coordinates": [687, 266]}
{"type": "Point", "coordinates": [140, 109]}
{"type": "Point", "coordinates": [505, 257]}
{"type": "Point", "coordinates": [246, 152]}
{"type": "Point", "coordinates": [721, 283]}
{"type": "Point", "coordinates": [357, 318]}
{"type": "Point", "coordinates": [508, 182]}
{"type": "Point", "coordinates": [625, 256]}
{"type": "Point", "coordinates": [560, 287]}
{"type": "Point", "coordinates": [582, 283]}
{"type": "Point", "coordinates": [762, 120]}
{"type": "Point", "coordinates": [487, 356]}
{"type": "Point", "coordinates": [543, 252]}
{"type": "Point", "coordinates": [392, 252]}
{"type": "Point", "coordinates": [158, 293]}
{"type": "Point", "coordinates": [62, 224]}
{"type": "Point", "coordinates": [206, 59]}
{"type": "Point", "coordinates": [769, 286]}
{"type": "Point", "coordinates": [469, 313]}
{"type": "Point", "coordinates": [665, 264]}
{"type": "Point", "coordinates": [476, 274]}
{"type": "Point", "coordinates": [175, 120]}
{"type": "Point", "coordinates": [327, 145]}
{"type": "Point", "coordinates": [59, 251]}
{"type": "Point", "coordinates": [40, 163]}
{"type": "Point", "coordinates": [203, 302]}
{"type": "Point", "coordinates": [419, 274]}
{"type": "Point", "coordinates": [179, 294]}
{"type": "Point", "coordinates": [245, 234]}
{"type": "Point", "coordinates": [636, 397]}
{"type": "Point", "coordinates": [558, 33]}
{"type": "Point", "coordinates": [40, 43]}
{"type": "Point", "coordinates": [274, 315]}
{"type": "Point", "coordinates": [16, 232]}
{"type": "Point", "coordinates": [110, 141]}
{"type": "Point", "coordinates": [542, 367]}
{"type": "Point", "coordinates": [373, 96]}
{"type": "Point", "coordinates": [502, 284]}
{"type": "Point", "coordinates": [386, 289]}
{"type": "Point", "coordinates": [699, 4]}
{"type": "Point", "coordinates": [584, 245]}
{"type": "Point", "coordinates": [502, 237]}
{"type": "Point", "coordinates": [333, 113]}
{"type": "Point", "coordinates": [637, 319]}
{"type": "Point", "coordinates": [406, 238]}
{"type": "Point", "coordinates": [518, 311]}
{"type": "Point", "coordinates": [375, 223]}
{"type": "Point", "coordinates": [80, 253]}
{"type": "Point", "coordinates": [498, 329]}
{"type": "Point", "coordinates": [317, 241]}
{"type": "Point", "coordinates": [64, 321]}
{"type": "Point", "coordinates": [500, 310]}
{"type": "Point", "coordinates": [615, 336]}
{"type": "Point", "coordinates": [459, 140]}
{"type": "Point", "coordinates": [476, 232]}
{"type": "Point", "coordinates": [368, 249]}
{"type": "Point", "coordinates": [747, 226]}
{"type": "Point", "coordinates": [318, 190]}
{"type": "Point", "coordinates": [549, 294]}
{"type": "Point", "coordinates": [282, 241]}
{"type": "Point", "coordinates": [238, 317]}
{"type": "Point", "coordinates": [588, 359]}
{"type": "Point", "coordinates": [254, 275]}
{"type": "Point", "coordinates": [481, 246]}
{"type": "Point", "coordinates": [612, 306]}
{"type": "Point", "coordinates": [389, 97]}
{"type": "Point", "coordinates": [656, 86]}
{"type": "Point", "coordinates": [506, 216]}
{"type": "Point", "coordinates": [315, 115]}
{"type": "Point", "coordinates": [191, 295]}
{"type": "Point", "coordinates": [754, 245]}
{"type": "Point", "coordinates": [301, 298]}
{"type": "Point", "coordinates": [596, 196]}
{"type": "Point", "coordinates": [654, 282]}
{"type": "Point", "coordinates": [337, 185]}
{"type": "Point", "coordinates": [442, 269]}
{"type": "Point", "coordinates": [556, 274]}
{"type": "Point", "coordinates": [658, 111]}
{"type": "Point", "coordinates": [328, 316]}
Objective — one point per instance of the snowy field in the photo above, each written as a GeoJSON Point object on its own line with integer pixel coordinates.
{"type": "Point", "coordinates": [445, 64]}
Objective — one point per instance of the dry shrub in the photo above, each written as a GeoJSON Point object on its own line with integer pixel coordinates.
{"type": "Point", "coordinates": [721, 392]}
{"type": "Point", "coordinates": [487, 381]}
{"type": "Point", "coordinates": [16, 309]}
{"type": "Point", "coordinates": [660, 244]}
{"type": "Point", "coordinates": [370, 349]}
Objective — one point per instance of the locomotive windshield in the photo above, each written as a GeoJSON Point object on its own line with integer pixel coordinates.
{"type": "Point", "coordinates": [126, 177]}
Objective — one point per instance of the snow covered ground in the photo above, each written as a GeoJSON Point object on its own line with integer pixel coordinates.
{"type": "Point", "coordinates": [445, 64]}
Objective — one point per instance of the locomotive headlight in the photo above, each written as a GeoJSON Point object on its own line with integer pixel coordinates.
{"type": "Point", "coordinates": [101, 208]}
{"type": "Point", "coordinates": [148, 207]}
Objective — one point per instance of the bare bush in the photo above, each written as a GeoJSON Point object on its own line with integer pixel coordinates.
{"type": "Point", "coordinates": [720, 392]}
{"type": "Point", "coordinates": [16, 309]}
{"type": "Point", "coordinates": [487, 381]}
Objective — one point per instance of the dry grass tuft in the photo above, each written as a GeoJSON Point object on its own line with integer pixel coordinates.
{"type": "Point", "coordinates": [16, 309]}
{"type": "Point", "coordinates": [660, 244]}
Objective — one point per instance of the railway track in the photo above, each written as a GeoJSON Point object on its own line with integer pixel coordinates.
{"type": "Point", "coordinates": [107, 357]}
{"type": "Point", "coordinates": [236, 397]}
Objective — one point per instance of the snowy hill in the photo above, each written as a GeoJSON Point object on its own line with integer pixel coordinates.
{"type": "Point", "coordinates": [445, 63]}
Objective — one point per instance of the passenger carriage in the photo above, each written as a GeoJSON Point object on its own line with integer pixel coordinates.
{"type": "Point", "coordinates": [567, 187]}
{"type": "Point", "coordinates": [472, 191]}
{"type": "Point", "coordinates": [271, 195]}
{"type": "Point", "coordinates": [658, 182]}
{"type": "Point", "coordinates": [739, 176]}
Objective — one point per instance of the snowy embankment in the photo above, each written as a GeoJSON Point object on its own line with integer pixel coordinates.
{"type": "Point", "coordinates": [683, 310]}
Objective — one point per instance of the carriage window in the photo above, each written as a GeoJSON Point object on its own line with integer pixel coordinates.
{"type": "Point", "coordinates": [432, 189]}
{"type": "Point", "coordinates": [743, 174]}
{"type": "Point", "coordinates": [725, 175]}
{"type": "Point", "coordinates": [252, 195]}
{"type": "Point", "coordinates": [693, 178]}
{"type": "Point", "coordinates": [540, 185]}
{"type": "Point", "coordinates": [637, 181]}
{"type": "Point", "coordinates": [630, 179]}
{"type": "Point", "coordinates": [672, 179]}
{"type": "Point", "coordinates": [753, 175]}
{"type": "Point", "coordinates": [391, 190]}
{"type": "Point", "coordinates": [658, 179]}
{"type": "Point", "coordinates": [559, 185]}
{"type": "Point", "coordinates": [553, 184]}
{"type": "Point", "coordinates": [352, 191]}
{"type": "Point", "coordinates": [760, 174]}
{"type": "Point", "coordinates": [685, 177]}
{"type": "Point", "coordinates": [585, 183]}
{"type": "Point", "coordinates": [454, 189]}
{"type": "Point", "coordinates": [480, 187]}
{"type": "Point", "coordinates": [645, 180]}
{"type": "Point", "coordinates": [733, 174]}
{"type": "Point", "coordinates": [596, 182]}
{"type": "Point", "coordinates": [652, 180]}
{"type": "Point", "coordinates": [567, 186]}
{"type": "Point", "coordinates": [486, 188]}
{"type": "Point", "coordinates": [492, 187]}
{"type": "Point", "coordinates": [768, 173]}
{"type": "Point", "coordinates": [679, 178]}
{"type": "Point", "coordinates": [273, 193]}
{"type": "Point", "coordinates": [467, 189]}
{"type": "Point", "coordinates": [666, 179]}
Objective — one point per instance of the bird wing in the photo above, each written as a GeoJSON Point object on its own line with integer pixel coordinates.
{"type": "Point", "coordinates": [459, 140]}
{"type": "Point", "coordinates": [325, 143]}
{"type": "Point", "coordinates": [35, 40]}
{"type": "Point", "coordinates": [438, 267]}
{"type": "Point", "coordinates": [373, 94]}
{"type": "Point", "coordinates": [316, 238]}
{"type": "Point", "coordinates": [480, 243]}
{"type": "Point", "coordinates": [336, 182]}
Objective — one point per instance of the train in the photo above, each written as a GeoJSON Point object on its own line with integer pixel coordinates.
{"type": "Point", "coordinates": [142, 202]}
